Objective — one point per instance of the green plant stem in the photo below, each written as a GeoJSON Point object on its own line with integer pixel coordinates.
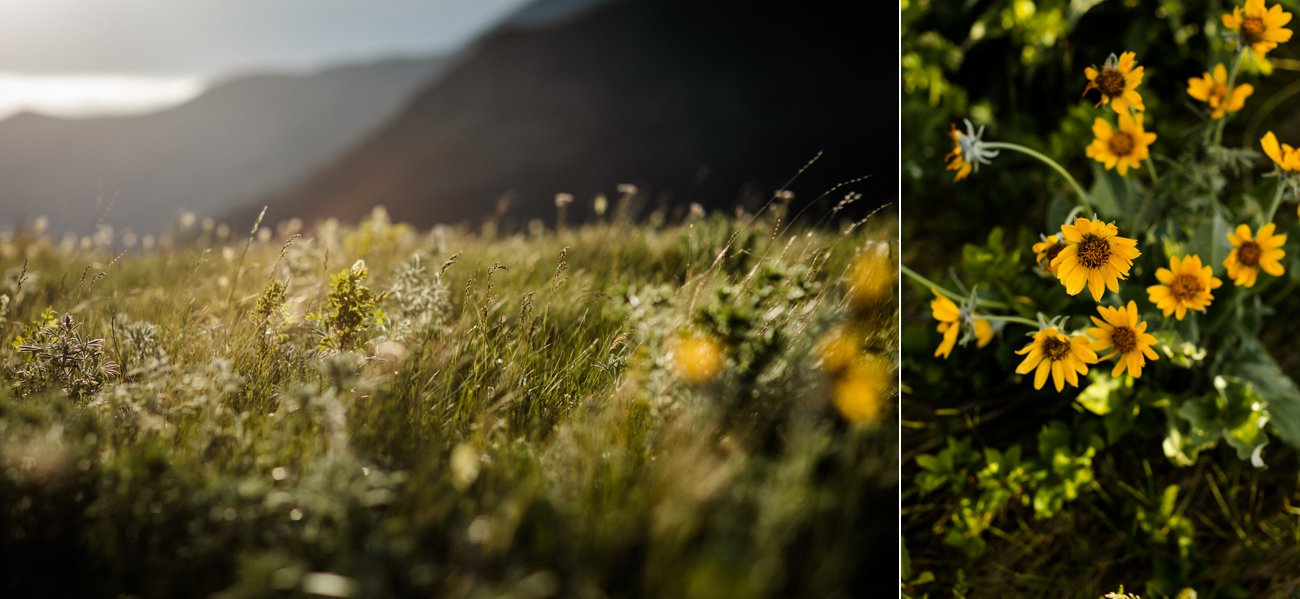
{"type": "Point", "coordinates": [1015, 319]}
{"type": "Point", "coordinates": [1277, 201]}
{"type": "Point", "coordinates": [1232, 78]}
{"type": "Point", "coordinates": [1151, 168]}
{"type": "Point", "coordinates": [1074, 184]}
{"type": "Point", "coordinates": [915, 276]}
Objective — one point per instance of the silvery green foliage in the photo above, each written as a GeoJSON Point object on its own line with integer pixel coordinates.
{"type": "Point", "coordinates": [138, 349]}
{"type": "Point", "coordinates": [58, 356]}
{"type": "Point", "coordinates": [419, 301]}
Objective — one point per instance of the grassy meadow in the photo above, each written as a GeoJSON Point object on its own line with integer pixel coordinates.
{"type": "Point", "coordinates": [696, 409]}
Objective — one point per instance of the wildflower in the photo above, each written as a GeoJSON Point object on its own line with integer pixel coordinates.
{"type": "Point", "coordinates": [1212, 88]}
{"type": "Point", "coordinates": [698, 358]}
{"type": "Point", "coordinates": [1052, 352]}
{"type": "Point", "coordinates": [1095, 255]}
{"type": "Point", "coordinates": [860, 391]}
{"type": "Point", "coordinates": [563, 199]}
{"type": "Point", "coordinates": [1117, 80]}
{"type": "Point", "coordinates": [1126, 146]}
{"type": "Point", "coordinates": [1185, 285]}
{"type": "Point", "coordinates": [1046, 250]}
{"type": "Point", "coordinates": [870, 277]}
{"type": "Point", "coordinates": [1260, 29]}
{"type": "Point", "coordinates": [1121, 331]}
{"type": "Point", "coordinates": [984, 331]}
{"type": "Point", "coordinates": [967, 152]}
{"type": "Point", "coordinates": [1284, 156]}
{"type": "Point", "coordinates": [1250, 255]}
{"type": "Point", "coordinates": [837, 349]}
{"type": "Point", "coordinates": [949, 317]}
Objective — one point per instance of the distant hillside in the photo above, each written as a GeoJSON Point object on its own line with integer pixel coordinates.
{"type": "Point", "coordinates": [237, 141]}
{"type": "Point", "coordinates": [695, 101]}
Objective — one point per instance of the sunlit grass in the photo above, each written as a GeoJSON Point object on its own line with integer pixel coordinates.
{"type": "Point", "coordinates": [492, 416]}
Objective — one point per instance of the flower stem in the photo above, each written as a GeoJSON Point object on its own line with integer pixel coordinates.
{"type": "Point", "coordinates": [1078, 189]}
{"type": "Point", "coordinates": [1277, 200]}
{"type": "Point", "coordinates": [915, 276]}
{"type": "Point", "coordinates": [1232, 78]}
{"type": "Point", "coordinates": [1015, 319]}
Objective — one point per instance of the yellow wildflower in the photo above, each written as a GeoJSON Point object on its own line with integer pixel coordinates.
{"type": "Point", "coordinates": [1117, 80]}
{"type": "Point", "coordinates": [1120, 148]}
{"type": "Point", "coordinates": [1284, 156]}
{"type": "Point", "coordinates": [1251, 255]}
{"type": "Point", "coordinates": [1052, 352]}
{"type": "Point", "coordinates": [698, 357]}
{"type": "Point", "coordinates": [1212, 88]}
{"type": "Point", "coordinates": [1185, 285]}
{"type": "Point", "coordinates": [1121, 331]}
{"type": "Point", "coordinates": [1046, 250]}
{"type": "Point", "coordinates": [1094, 256]}
{"type": "Point", "coordinates": [1259, 28]}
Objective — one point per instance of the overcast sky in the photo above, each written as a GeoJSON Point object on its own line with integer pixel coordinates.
{"type": "Point", "coordinates": [91, 57]}
{"type": "Point", "coordinates": [215, 37]}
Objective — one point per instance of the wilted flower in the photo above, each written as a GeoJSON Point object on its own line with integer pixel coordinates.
{"type": "Point", "coordinates": [968, 152]}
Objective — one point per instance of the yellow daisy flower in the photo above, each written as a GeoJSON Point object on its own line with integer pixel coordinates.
{"type": "Point", "coordinates": [859, 393]}
{"type": "Point", "coordinates": [1251, 255]}
{"type": "Point", "coordinates": [1126, 336]}
{"type": "Point", "coordinates": [1212, 88]}
{"type": "Point", "coordinates": [1046, 250]}
{"type": "Point", "coordinates": [984, 332]}
{"type": "Point", "coordinates": [1095, 255]}
{"type": "Point", "coordinates": [1126, 146]}
{"type": "Point", "coordinates": [1259, 28]}
{"type": "Point", "coordinates": [698, 357]}
{"type": "Point", "coordinates": [871, 278]}
{"type": "Point", "coordinates": [1052, 352]}
{"type": "Point", "coordinates": [1185, 285]}
{"type": "Point", "coordinates": [1284, 156]}
{"type": "Point", "coordinates": [1117, 80]}
{"type": "Point", "coordinates": [948, 314]}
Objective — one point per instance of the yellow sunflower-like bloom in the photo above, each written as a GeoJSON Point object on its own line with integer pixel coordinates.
{"type": "Point", "coordinates": [1259, 28]}
{"type": "Point", "coordinates": [1117, 80]}
{"type": "Point", "coordinates": [870, 278]}
{"type": "Point", "coordinates": [1046, 250]}
{"type": "Point", "coordinates": [949, 317]}
{"type": "Point", "coordinates": [1121, 331]}
{"type": "Point", "coordinates": [1094, 256]}
{"type": "Point", "coordinates": [860, 391]}
{"type": "Point", "coordinates": [698, 357]}
{"type": "Point", "coordinates": [1052, 352]}
{"type": "Point", "coordinates": [1212, 88]}
{"type": "Point", "coordinates": [1185, 285]}
{"type": "Point", "coordinates": [1251, 255]}
{"type": "Point", "coordinates": [1284, 156]}
{"type": "Point", "coordinates": [1124, 147]}
{"type": "Point", "coordinates": [984, 332]}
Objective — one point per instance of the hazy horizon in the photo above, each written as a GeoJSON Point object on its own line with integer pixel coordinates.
{"type": "Point", "coordinates": [74, 59]}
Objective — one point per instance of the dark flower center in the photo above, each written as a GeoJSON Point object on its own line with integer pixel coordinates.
{"type": "Point", "coordinates": [1056, 349]}
{"type": "Point", "coordinates": [1051, 254]}
{"type": "Point", "coordinates": [1094, 251]}
{"type": "Point", "coordinates": [1185, 287]}
{"type": "Point", "coordinates": [1121, 144]}
{"type": "Point", "coordinates": [1111, 82]}
{"type": "Point", "coordinates": [1252, 30]}
{"type": "Point", "coordinates": [1248, 254]}
{"type": "Point", "coordinates": [1123, 339]}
